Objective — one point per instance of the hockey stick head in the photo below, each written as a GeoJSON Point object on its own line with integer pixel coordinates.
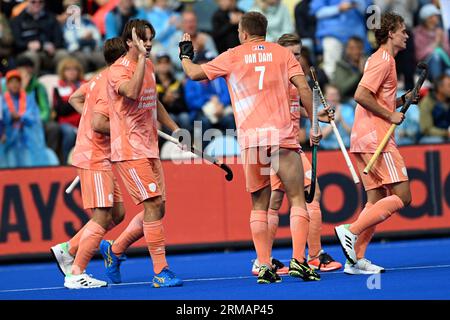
{"type": "Point", "coordinates": [423, 66]}
{"type": "Point", "coordinates": [229, 175]}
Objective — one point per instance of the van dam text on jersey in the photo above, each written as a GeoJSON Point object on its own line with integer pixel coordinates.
{"type": "Point", "coordinates": [258, 57]}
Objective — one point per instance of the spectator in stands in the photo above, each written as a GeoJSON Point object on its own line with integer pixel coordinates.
{"type": "Point", "coordinates": [225, 25]}
{"type": "Point", "coordinates": [8, 5]}
{"type": "Point", "coordinates": [435, 112]}
{"type": "Point", "coordinates": [6, 42]}
{"type": "Point", "coordinates": [24, 145]}
{"type": "Point", "coordinates": [306, 63]}
{"type": "Point", "coordinates": [337, 21]}
{"type": "Point", "coordinates": [165, 21]}
{"type": "Point", "coordinates": [278, 18]}
{"type": "Point", "coordinates": [200, 40]}
{"type": "Point", "coordinates": [38, 35]}
{"type": "Point", "coordinates": [343, 117]}
{"type": "Point", "coordinates": [431, 41]}
{"type": "Point", "coordinates": [36, 89]}
{"type": "Point", "coordinates": [305, 24]}
{"type": "Point", "coordinates": [171, 91]}
{"type": "Point", "coordinates": [350, 69]}
{"type": "Point", "coordinates": [83, 40]}
{"type": "Point", "coordinates": [71, 75]}
{"type": "Point", "coordinates": [117, 18]}
{"type": "Point", "coordinates": [209, 101]}
{"type": "Point", "coordinates": [99, 17]}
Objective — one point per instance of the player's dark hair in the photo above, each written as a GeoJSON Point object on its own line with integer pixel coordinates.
{"type": "Point", "coordinates": [140, 26]}
{"type": "Point", "coordinates": [390, 22]}
{"type": "Point", "coordinates": [254, 23]}
{"type": "Point", "coordinates": [113, 49]}
{"type": "Point", "coordinates": [289, 39]}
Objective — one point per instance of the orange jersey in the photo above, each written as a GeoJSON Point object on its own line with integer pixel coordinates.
{"type": "Point", "coordinates": [258, 75]}
{"type": "Point", "coordinates": [380, 77]}
{"type": "Point", "coordinates": [295, 108]}
{"type": "Point", "coordinates": [133, 123]}
{"type": "Point", "coordinates": [92, 149]}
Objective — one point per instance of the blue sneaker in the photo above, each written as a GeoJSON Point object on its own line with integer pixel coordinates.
{"type": "Point", "coordinates": [112, 262]}
{"type": "Point", "coordinates": [166, 278]}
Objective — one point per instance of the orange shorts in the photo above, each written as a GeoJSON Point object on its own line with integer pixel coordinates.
{"type": "Point", "coordinates": [389, 168]}
{"type": "Point", "coordinates": [143, 178]}
{"type": "Point", "coordinates": [99, 188]}
{"type": "Point", "coordinates": [257, 165]}
{"type": "Point", "coordinates": [275, 181]}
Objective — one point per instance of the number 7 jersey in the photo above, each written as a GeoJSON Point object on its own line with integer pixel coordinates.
{"type": "Point", "coordinates": [258, 75]}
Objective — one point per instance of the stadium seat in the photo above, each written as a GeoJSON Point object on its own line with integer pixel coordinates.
{"type": "Point", "coordinates": [49, 81]}
{"type": "Point", "coordinates": [223, 146]}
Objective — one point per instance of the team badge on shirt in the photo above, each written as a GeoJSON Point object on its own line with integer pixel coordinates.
{"type": "Point", "coordinates": [258, 47]}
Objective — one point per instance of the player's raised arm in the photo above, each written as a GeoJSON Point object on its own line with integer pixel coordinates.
{"type": "Point", "coordinates": [193, 71]}
{"type": "Point", "coordinates": [132, 88]}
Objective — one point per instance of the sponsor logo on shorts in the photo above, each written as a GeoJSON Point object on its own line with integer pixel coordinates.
{"type": "Point", "coordinates": [110, 197]}
{"type": "Point", "coordinates": [152, 187]}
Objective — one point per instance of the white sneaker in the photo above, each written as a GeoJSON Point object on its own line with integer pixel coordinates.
{"type": "Point", "coordinates": [63, 258]}
{"type": "Point", "coordinates": [362, 266]}
{"type": "Point", "coordinates": [83, 281]}
{"type": "Point", "coordinates": [347, 241]}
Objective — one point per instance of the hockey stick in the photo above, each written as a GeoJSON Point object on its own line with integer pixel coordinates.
{"type": "Point", "coordinates": [216, 162]}
{"type": "Point", "coordinates": [423, 75]}
{"type": "Point", "coordinates": [73, 185]}
{"type": "Point", "coordinates": [309, 196]}
{"type": "Point", "coordinates": [335, 130]}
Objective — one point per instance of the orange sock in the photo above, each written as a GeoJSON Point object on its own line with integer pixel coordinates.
{"type": "Point", "coordinates": [299, 231]}
{"type": "Point", "coordinates": [315, 228]}
{"type": "Point", "coordinates": [379, 212]}
{"type": "Point", "coordinates": [364, 238]}
{"type": "Point", "coordinates": [154, 236]}
{"type": "Point", "coordinates": [89, 242]}
{"type": "Point", "coordinates": [272, 224]}
{"type": "Point", "coordinates": [260, 236]}
{"type": "Point", "coordinates": [131, 234]}
{"type": "Point", "coordinates": [73, 243]}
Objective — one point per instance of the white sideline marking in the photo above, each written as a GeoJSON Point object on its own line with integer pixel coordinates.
{"type": "Point", "coordinates": [214, 279]}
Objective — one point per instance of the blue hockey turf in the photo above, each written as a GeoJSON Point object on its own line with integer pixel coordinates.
{"type": "Point", "coordinates": [418, 269]}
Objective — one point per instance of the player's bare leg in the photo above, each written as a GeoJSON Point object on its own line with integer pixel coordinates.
{"type": "Point", "coordinates": [289, 162]}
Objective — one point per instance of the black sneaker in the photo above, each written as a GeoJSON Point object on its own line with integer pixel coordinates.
{"type": "Point", "coordinates": [302, 270]}
{"type": "Point", "coordinates": [266, 276]}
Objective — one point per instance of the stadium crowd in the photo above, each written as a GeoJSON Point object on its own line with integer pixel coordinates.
{"type": "Point", "coordinates": [49, 48]}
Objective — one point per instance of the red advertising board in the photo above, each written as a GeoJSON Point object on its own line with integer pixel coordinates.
{"type": "Point", "coordinates": [203, 208]}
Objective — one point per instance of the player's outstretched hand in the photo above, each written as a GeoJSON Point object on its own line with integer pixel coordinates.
{"type": "Point", "coordinates": [186, 47]}
{"type": "Point", "coordinates": [138, 42]}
